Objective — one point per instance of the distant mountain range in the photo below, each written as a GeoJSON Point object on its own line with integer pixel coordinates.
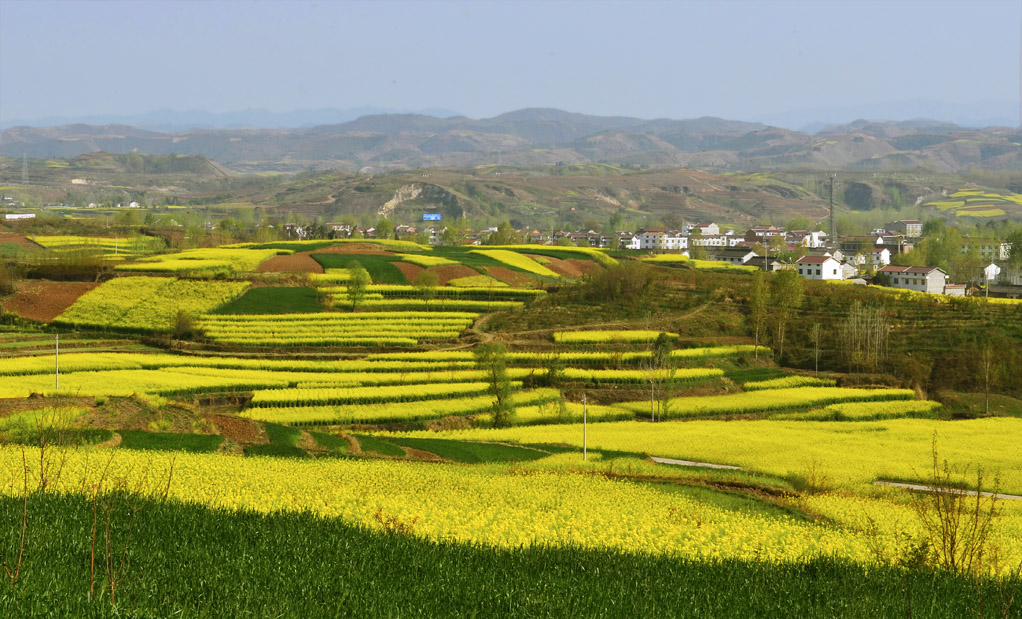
{"type": "Point", "coordinates": [540, 136]}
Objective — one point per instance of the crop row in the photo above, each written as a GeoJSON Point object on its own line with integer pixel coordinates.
{"type": "Point", "coordinates": [771, 400]}
{"type": "Point", "coordinates": [129, 382]}
{"type": "Point", "coordinates": [641, 376]}
{"type": "Point", "coordinates": [516, 260]}
{"type": "Point", "coordinates": [468, 305]}
{"type": "Point", "coordinates": [597, 337]}
{"type": "Point", "coordinates": [425, 260]}
{"type": "Point", "coordinates": [391, 412]}
{"type": "Point", "coordinates": [867, 411]}
{"type": "Point", "coordinates": [580, 357]}
{"type": "Point", "coordinates": [217, 258]}
{"type": "Point", "coordinates": [351, 317]}
{"type": "Point", "coordinates": [147, 303]}
{"type": "Point", "coordinates": [88, 361]}
{"type": "Point", "coordinates": [556, 412]}
{"type": "Point", "coordinates": [127, 246]}
{"type": "Point", "coordinates": [596, 255]}
{"type": "Point", "coordinates": [399, 291]}
{"type": "Point", "coordinates": [790, 382]}
{"type": "Point", "coordinates": [368, 395]}
{"type": "Point", "coordinates": [313, 245]}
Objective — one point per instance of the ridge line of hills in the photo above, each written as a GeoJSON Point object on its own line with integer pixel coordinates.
{"type": "Point", "coordinates": [543, 136]}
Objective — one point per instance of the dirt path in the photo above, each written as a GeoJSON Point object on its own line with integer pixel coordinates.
{"type": "Point", "coordinates": [925, 488]}
{"type": "Point", "coordinates": [707, 465]}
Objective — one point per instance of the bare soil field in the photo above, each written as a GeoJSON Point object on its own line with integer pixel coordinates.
{"type": "Point", "coordinates": [511, 278]}
{"type": "Point", "coordinates": [452, 271]}
{"type": "Point", "coordinates": [295, 263]}
{"type": "Point", "coordinates": [410, 271]}
{"type": "Point", "coordinates": [43, 300]}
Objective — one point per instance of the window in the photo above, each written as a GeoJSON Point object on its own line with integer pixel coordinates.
{"type": "Point", "coordinates": [817, 271]}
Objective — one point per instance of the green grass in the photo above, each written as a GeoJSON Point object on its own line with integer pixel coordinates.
{"type": "Point", "coordinates": [380, 267]}
{"type": "Point", "coordinates": [330, 442]}
{"type": "Point", "coordinates": [197, 562]}
{"type": "Point", "coordinates": [375, 445]}
{"type": "Point", "coordinates": [274, 300]}
{"type": "Point", "coordinates": [471, 452]}
{"type": "Point", "coordinates": [283, 443]}
{"type": "Point", "coordinates": [974, 404]}
{"type": "Point", "coordinates": [169, 441]}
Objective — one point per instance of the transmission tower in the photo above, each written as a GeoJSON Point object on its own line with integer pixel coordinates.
{"type": "Point", "coordinates": [833, 230]}
{"type": "Point", "coordinates": [24, 168]}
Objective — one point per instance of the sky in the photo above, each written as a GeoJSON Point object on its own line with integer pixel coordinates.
{"type": "Point", "coordinates": [745, 60]}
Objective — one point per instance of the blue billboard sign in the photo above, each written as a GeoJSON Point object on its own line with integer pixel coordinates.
{"type": "Point", "coordinates": [431, 217]}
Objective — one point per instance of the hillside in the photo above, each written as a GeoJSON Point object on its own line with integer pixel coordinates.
{"type": "Point", "coordinates": [532, 137]}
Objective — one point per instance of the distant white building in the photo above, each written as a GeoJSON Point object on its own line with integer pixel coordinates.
{"type": "Point", "coordinates": [661, 239]}
{"type": "Point", "coordinates": [907, 227]}
{"type": "Point", "coordinates": [705, 229]}
{"type": "Point", "coordinates": [819, 267]}
{"type": "Point", "coordinates": [921, 279]}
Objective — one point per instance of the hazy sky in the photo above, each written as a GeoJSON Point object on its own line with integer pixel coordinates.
{"type": "Point", "coordinates": [740, 60]}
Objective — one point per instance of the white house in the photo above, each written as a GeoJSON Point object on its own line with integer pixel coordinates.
{"type": "Point", "coordinates": [921, 279]}
{"type": "Point", "coordinates": [713, 240]}
{"type": "Point", "coordinates": [880, 257]}
{"type": "Point", "coordinates": [908, 227]}
{"type": "Point", "coordinates": [735, 256]}
{"type": "Point", "coordinates": [705, 229]}
{"type": "Point", "coordinates": [819, 267]}
{"type": "Point", "coordinates": [661, 239]}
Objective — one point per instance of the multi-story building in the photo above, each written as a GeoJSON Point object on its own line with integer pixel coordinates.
{"type": "Point", "coordinates": [921, 279]}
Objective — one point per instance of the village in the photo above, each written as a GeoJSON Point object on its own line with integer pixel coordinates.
{"type": "Point", "coordinates": [883, 257]}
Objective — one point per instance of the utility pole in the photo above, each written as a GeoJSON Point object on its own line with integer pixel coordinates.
{"type": "Point", "coordinates": [56, 344]}
{"type": "Point", "coordinates": [585, 428]}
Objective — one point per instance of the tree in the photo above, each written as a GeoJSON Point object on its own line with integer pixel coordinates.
{"type": "Point", "coordinates": [384, 229]}
{"type": "Point", "coordinates": [505, 235]}
{"type": "Point", "coordinates": [615, 222]}
{"type": "Point", "coordinates": [661, 371]}
{"type": "Point", "coordinates": [449, 237]}
{"type": "Point", "coordinates": [786, 298]}
{"type": "Point", "coordinates": [815, 335]}
{"type": "Point", "coordinates": [799, 222]}
{"type": "Point", "coordinates": [491, 359]}
{"type": "Point", "coordinates": [758, 303]}
{"type": "Point", "coordinates": [425, 283]}
{"type": "Point", "coordinates": [358, 284]}
{"type": "Point", "coordinates": [1015, 251]}
{"type": "Point", "coordinates": [864, 335]}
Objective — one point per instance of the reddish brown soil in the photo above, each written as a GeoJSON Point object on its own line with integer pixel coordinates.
{"type": "Point", "coordinates": [7, 237]}
{"type": "Point", "coordinates": [411, 271]}
{"type": "Point", "coordinates": [295, 263]}
{"type": "Point", "coordinates": [237, 429]}
{"type": "Point", "coordinates": [511, 278]}
{"type": "Point", "coordinates": [448, 272]}
{"type": "Point", "coordinates": [352, 248]}
{"type": "Point", "coordinates": [586, 267]}
{"type": "Point", "coordinates": [44, 301]}
{"type": "Point", "coordinates": [561, 267]}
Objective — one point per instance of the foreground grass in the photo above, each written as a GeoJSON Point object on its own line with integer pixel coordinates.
{"type": "Point", "coordinates": [194, 561]}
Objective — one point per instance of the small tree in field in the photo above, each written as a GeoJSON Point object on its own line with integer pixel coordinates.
{"type": "Point", "coordinates": [661, 371]}
{"type": "Point", "coordinates": [425, 284]}
{"type": "Point", "coordinates": [758, 303]}
{"type": "Point", "coordinates": [358, 284]}
{"type": "Point", "coordinates": [491, 358]}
